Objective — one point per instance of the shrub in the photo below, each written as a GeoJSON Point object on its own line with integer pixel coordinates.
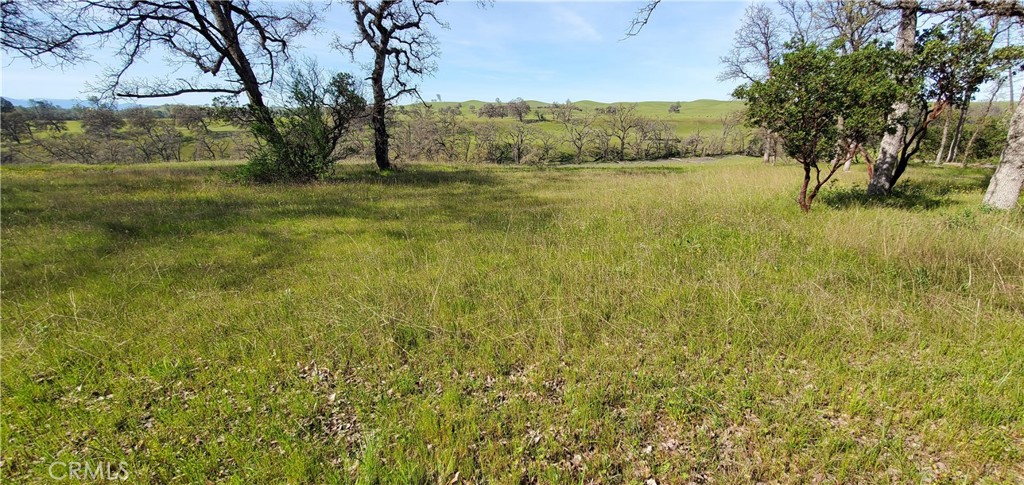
{"type": "Point", "coordinates": [319, 115]}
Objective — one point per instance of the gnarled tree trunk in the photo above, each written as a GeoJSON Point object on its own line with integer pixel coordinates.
{"type": "Point", "coordinates": [378, 117]}
{"type": "Point", "coordinates": [1005, 187]}
{"type": "Point", "coordinates": [889, 152]}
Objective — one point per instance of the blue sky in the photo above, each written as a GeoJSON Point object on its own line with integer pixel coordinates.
{"type": "Point", "coordinates": [548, 51]}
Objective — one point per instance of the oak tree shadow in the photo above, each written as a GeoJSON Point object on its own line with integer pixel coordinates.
{"type": "Point", "coordinates": [95, 216]}
{"type": "Point", "coordinates": [412, 175]}
{"type": "Point", "coordinates": [914, 195]}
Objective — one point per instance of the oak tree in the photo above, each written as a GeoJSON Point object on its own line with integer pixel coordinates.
{"type": "Point", "coordinates": [403, 49]}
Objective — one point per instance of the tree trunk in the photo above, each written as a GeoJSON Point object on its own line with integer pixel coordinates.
{"type": "Point", "coordinates": [1005, 186]}
{"type": "Point", "coordinates": [955, 145]}
{"type": "Point", "coordinates": [243, 68]}
{"type": "Point", "coordinates": [981, 122]}
{"type": "Point", "coordinates": [845, 149]}
{"type": "Point", "coordinates": [868, 161]}
{"type": "Point", "coordinates": [805, 205]}
{"type": "Point", "coordinates": [1009, 73]}
{"type": "Point", "coordinates": [378, 115]}
{"type": "Point", "coordinates": [945, 136]}
{"type": "Point", "coordinates": [884, 175]}
{"type": "Point", "coordinates": [850, 154]}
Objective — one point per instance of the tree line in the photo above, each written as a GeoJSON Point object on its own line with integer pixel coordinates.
{"type": "Point", "coordinates": [40, 132]}
{"type": "Point", "coordinates": [560, 132]}
{"type": "Point", "coordinates": [853, 92]}
{"type": "Point", "coordinates": [243, 48]}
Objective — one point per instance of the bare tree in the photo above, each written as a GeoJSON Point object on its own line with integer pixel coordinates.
{"type": "Point", "coordinates": [518, 108]}
{"type": "Point", "coordinates": [664, 140]}
{"type": "Point", "coordinates": [140, 119]}
{"type": "Point", "coordinates": [492, 110]}
{"type": "Point", "coordinates": [799, 26]}
{"type": "Point", "coordinates": [46, 116]}
{"type": "Point", "coordinates": [563, 112]}
{"type": "Point", "coordinates": [601, 142]}
{"type": "Point", "coordinates": [646, 131]}
{"type": "Point", "coordinates": [757, 44]}
{"type": "Point", "coordinates": [856, 23]}
{"type": "Point", "coordinates": [403, 50]}
{"type": "Point", "coordinates": [579, 126]}
{"type": "Point", "coordinates": [417, 136]}
{"type": "Point", "coordinates": [851, 23]}
{"type": "Point", "coordinates": [453, 136]}
{"type": "Point", "coordinates": [518, 138]}
{"type": "Point", "coordinates": [190, 117]}
{"type": "Point", "coordinates": [101, 121]}
{"type": "Point", "coordinates": [31, 29]}
{"type": "Point", "coordinates": [545, 143]}
{"type": "Point", "coordinates": [234, 46]}
{"type": "Point", "coordinates": [15, 123]}
{"type": "Point", "coordinates": [730, 122]}
{"type": "Point", "coordinates": [623, 120]}
{"type": "Point", "coordinates": [694, 145]}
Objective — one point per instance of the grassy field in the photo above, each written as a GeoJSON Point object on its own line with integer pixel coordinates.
{"type": "Point", "coordinates": [704, 115]}
{"type": "Point", "coordinates": [448, 324]}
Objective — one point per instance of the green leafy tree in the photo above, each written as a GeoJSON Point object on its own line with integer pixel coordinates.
{"type": "Point", "coordinates": [956, 58]}
{"type": "Point", "coordinates": [807, 94]}
{"type": "Point", "coordinates": [321, 111]}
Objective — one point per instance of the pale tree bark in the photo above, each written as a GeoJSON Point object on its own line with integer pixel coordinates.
{"type": "Point", "coordinates": [757, 44]}
{"type": "Point", "coordinates": [1009, 70]}
{"type": "Point", "coordinates": [945, 137]}
{"type": "Point", "coordinates": [981, 121]}
{"type": "Point", "coordinates": [1005, 187]}
{"type": "Point", "coordinates": [890, 149]}
{"type": "Point", "coordinates": [954, 146]}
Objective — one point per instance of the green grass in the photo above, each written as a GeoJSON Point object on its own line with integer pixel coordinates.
{"type": "Point", "coordinates": [703, 115]}
{"type": "Point", "coordinates": [603, 324]}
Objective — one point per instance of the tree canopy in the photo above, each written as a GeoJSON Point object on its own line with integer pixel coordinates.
{"type": "Point", "coordinates": [815, 97]}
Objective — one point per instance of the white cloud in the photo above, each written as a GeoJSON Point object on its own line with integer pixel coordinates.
{"type": "Point", "coordinates": [576, 27]}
